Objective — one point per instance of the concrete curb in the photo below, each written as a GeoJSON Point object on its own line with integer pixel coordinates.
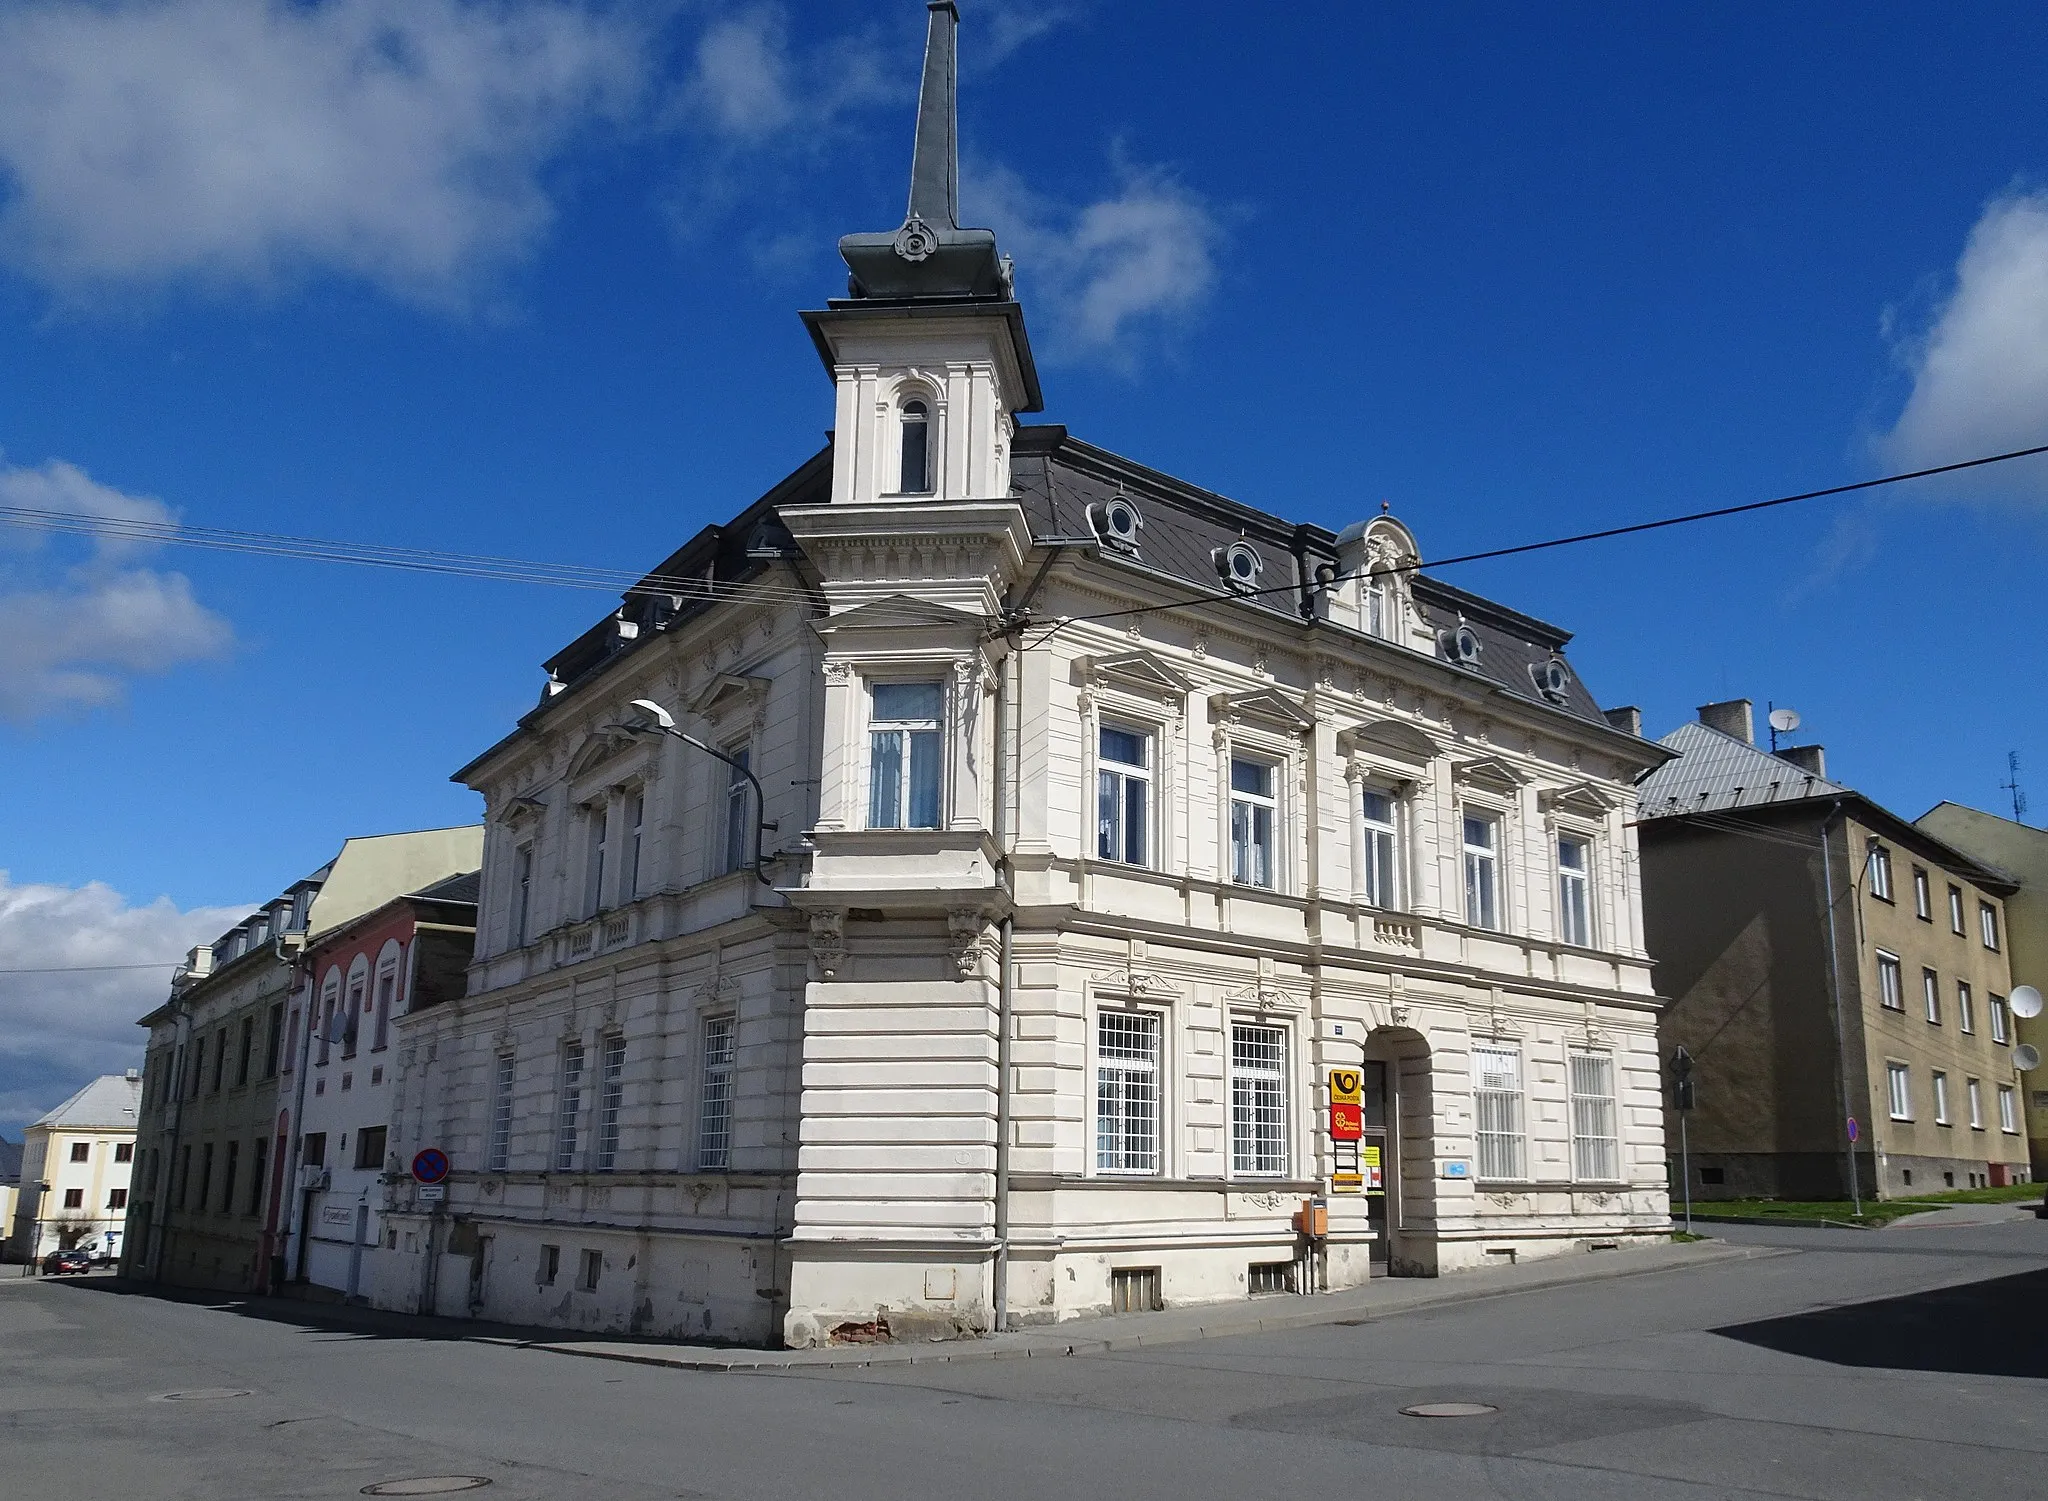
{"type": "Point", "coordinates": [1154, 1331]}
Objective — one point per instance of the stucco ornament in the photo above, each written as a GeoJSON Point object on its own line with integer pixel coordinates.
{"type": "Point", "coordinates": [828, 942]}
{"type": "Point", "coordinates": [916, 240]}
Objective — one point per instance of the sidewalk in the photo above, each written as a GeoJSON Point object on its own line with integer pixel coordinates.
{"type": "Point", "coordinates": [1381, 1298]}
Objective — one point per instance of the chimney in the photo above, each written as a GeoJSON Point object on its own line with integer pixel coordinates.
{"type": "Point", "coordinates": [1628, 720]}
{"type": "Point", "coordinates": [1811, 759]}
{"type": "Point", "coordinates": [132, 1075]}
{"type": "Point", "coordinates": [1735, 717]}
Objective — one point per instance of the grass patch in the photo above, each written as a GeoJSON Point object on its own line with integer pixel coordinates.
{"type": "Point", "coordinates": [1684, 1237]}
{"type": "Point", "coordinates": [2012, 1193]}
{"type": "Point", "coordinates": [1875, 1211]}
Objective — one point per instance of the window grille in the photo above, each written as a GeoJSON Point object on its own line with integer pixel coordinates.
{"type": "Point", "coordinates": [1134, 1289]}
{"type": "Point", "coordinates": [501, 1113]}
{"type": "Point", "coordinates": [714, 1114]}
{"type": "Point", "coordinates": [611, 1091]}
{"type": "Point", "coordinates": [1574, 892]}
{"type": "Point", "coordinates": [904, 751]}
{"type": "Point", "coordinates": [1596, 1144]}
{"type": "Point", "coordinates": [1482, 871]}
{"type": "Point", "coordinates": [1123, 796]}
{"type": "Point", "coordinates": [1263, 1278]}
{"type": "Point", "coordinates": [1127, 1092]}
{"type": "Point", "coordinates": [1497, 1111]}
{"type": "Point", "coordinates": [1382, 879]}
{"type": "Point", "coordinates": [1258, 1100]}
{"type": "Point", "coordinates": [569, 1107]}
{"type": "Point", "coordinates": [1900, 1083]}
{"type": "Point", "coordinates": [1252, 806]}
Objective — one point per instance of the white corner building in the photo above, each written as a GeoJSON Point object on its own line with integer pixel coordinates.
{"type": "Point", "coordinates": [1105, 816]}
{"type": "Point", "coordinates": [76, 1162]}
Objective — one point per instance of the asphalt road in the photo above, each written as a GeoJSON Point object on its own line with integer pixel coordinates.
{"type": "Point", "coordinates": [1897, 1363]}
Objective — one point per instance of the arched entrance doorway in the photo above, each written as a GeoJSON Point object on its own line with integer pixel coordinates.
{"type": "Point", "coordinates": [1400, 1123]}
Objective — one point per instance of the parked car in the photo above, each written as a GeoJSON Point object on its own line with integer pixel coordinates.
{"type": "Point", "coordinates": [57, 1263]}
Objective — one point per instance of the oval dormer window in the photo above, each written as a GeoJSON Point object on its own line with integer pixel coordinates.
{"type": "Point", "coordinates": [917, 449]}
{"type": "Point", "coordinates": [1240, 564]}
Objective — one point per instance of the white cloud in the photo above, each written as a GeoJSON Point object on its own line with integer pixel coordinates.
{"type": "Point", "coordinates": [1143, 258]}
{"type": "Point", "coordinates": [57, 1031]}
{"type": "Point", "coordinates": [73, 637]}
{"type": "Point", "coordinates": [233, 142]}
{"type": "Point", "coordinates": [741, 82]}
{"type": "Point", "coordinates": [1980, 372]}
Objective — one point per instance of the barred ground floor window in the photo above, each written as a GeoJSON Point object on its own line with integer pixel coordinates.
{"type": "Point", "coordinates": [1127, 1092]}
{"type": "Point", "coordinates": [1596, 1145]}
{"type": "Point", "coordinates": [1497, 1112]}
{"type": "Point", "coordinates": [1258, 1100]}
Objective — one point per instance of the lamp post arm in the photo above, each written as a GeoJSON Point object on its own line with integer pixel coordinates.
{"type": "Point", "coordinates": [760, 793]}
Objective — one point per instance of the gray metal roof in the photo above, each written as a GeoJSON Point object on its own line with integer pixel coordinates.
{"type": "Point", "coordinates": [109, 1103]}
{"type": "Point", "coordinates": [1714, 771]}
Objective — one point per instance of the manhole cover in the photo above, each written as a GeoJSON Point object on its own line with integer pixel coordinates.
{"type": "Point", "coordinates": [427, 1485]}
{"type": "Point", "coordinates": [204, 1394]}
{"type": "Point", "coordinates": [1448, 1410]}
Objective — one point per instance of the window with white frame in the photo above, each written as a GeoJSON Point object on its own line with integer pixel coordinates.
{"type": "Point", "coordinates": [629, 870]}
{"type": "Point", "coordinates": [1574, 890]}
{"type": "Point", "coordinates": [1966, 1011]}
{"type": "Point", "coordinates": [1899, 1079]}
{"type": "Point", "coordinates": [1923, 898]}
{"type": "Point", "coordinates": [714, 1103]}
{"type": "Point", "coordinates": [1497, 1111]}
{"type": "Point", "coordinates": [1254, 805]}
{"type": "Point", "coordinates": [916, 430]}
{"type": "Point", "coordinates": [596, 834]}
{"type": "Point", "coordinates": [1880, 872]}
{"type": "Point", "coordinates": [522, 895]}
{"type": "Point", "coordinates": [500, 1148]}
{"type": "Point", "coordinates": [1482, 870]}
{"type": "Point", "coordinates": [1127, 1126]}
{"type": "Point", "coordinates": [1123, 795]}
{"type": "Point", "coordinates": [1930, 995]}
{"type": "Point", "coordinates": [611, 1095]}
{"type": "Point", "coordinates": [568, 1106]}
{"type": "Point", "coordinates": [1955, 909]}
{"type": "Point", "coordinates": [2001, 1029]}
{"type": "Point", "coordinates": [1973, 1093]}
{"type": "Point", "coordinates": [1378, 811]}
{"type": "Point", "coordinates": [1940, 1098]}
{"type": "Point", "coordinates": [1379, 615]}
{"type": "Point", "coordinates": [1258, 1100]}
{"type": "Point", "coordinates": [1987, 923]}
{"type": "Point", "coordinates": [2008, 1110]}
{"type": "Point", "coordinates": [387, 997]}
{"type": "Point", "coordinates": [1890, 991]}
{"type": "Point", "coordinates": [905, 749]}
{"type": "Point", "coordinates": [1596, 1140]}
{"type": "Point", "coordinates": [739, 828]}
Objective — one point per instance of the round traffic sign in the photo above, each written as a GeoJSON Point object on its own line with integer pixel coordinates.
{"type": "Point", "coordinates": [430, 1166]}
{"type": "Point", "coordinates": [1854, 1130]}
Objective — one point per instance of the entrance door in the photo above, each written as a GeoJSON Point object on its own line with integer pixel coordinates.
{"type": "Point", "coordinates": [1376, 1156]}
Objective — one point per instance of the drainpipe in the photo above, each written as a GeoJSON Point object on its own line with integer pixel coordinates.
{"type": "Point", "coordinates": [1827, 880]}
{"type": "Point", "coordinates": [1006, 700]}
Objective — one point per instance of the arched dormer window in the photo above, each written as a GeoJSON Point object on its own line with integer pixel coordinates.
{"type": "Point", "coordinates": [917, 449]}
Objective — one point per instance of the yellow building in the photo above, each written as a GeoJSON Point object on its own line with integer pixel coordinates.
{"type": "Point", "coordinates": [2023, 853]}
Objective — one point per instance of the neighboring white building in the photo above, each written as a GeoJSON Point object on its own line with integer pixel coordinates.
{"type": "Point", "coordinates": [10, 1191]}
{"type": "Point", "coordinates": [75, 1166]}
{"type": "Point", "coordinates": [1068, 910]}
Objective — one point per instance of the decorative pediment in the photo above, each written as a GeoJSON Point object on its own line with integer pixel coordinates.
{"type": "Point", "coordinates": [520, 811]}
{"type": "Point", "coordinates": [1265, 705]}
{"type": "Point", "coordinates": [600, 747]}
{"type": "Point", "coordinates": [1136, 983]}
{"type": "Point", "coordinates": [1263, 996]}
{"type": "Point", "coordinates": [1587, 799]}
{"type": "Point", "coordinates": [1389, 737]}
{"type": "Point", "coordinates": [729, 693]}
{"type": "Point", "coordinates": [1491, 774]}
{"type": "Point", "coordinates": [898, 612]}
{"type": "Point", "coordinates": [1138, 670]}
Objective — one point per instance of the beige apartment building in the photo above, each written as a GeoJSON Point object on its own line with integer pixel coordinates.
{"type": "Point", "coordinates": [2022, 852]}
{"type": "Point", "coordinates": [1839, 975]}
{"type": "Point", "coordinates": [75, 1166]}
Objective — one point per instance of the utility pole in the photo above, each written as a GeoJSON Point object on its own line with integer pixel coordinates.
{"type": "Point", "coordinates": [1682, 1101]}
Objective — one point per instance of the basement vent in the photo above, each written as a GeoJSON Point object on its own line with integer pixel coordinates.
{"type": "Point", "coordinates": [1502, 1255]}
{"type": "Point", "coordinates": [1134, 1289]}
{"type": "Point", "coordinates": [1267, 1277]}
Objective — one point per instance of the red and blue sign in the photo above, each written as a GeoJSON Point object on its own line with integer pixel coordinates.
{"type": "Point", "coordinates": [430, 1166]}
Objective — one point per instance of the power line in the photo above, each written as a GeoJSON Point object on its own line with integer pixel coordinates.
{"type": "Point", "coordinates": [87, 969]}
{"type": "Point", "coordinates": [1601, 535]}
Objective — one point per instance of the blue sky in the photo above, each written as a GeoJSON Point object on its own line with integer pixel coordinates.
{"type": "Point", "coordinates": [522, 279]}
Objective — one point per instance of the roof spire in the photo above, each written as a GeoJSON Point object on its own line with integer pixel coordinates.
{"type": "Point", "coordinates": [931, 257]}
{"type": "Point", "coordinates": [935, 162]}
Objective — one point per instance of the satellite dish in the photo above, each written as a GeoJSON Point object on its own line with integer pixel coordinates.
{"type": "Point", "coordinates": [2026, 1057]}
{"type": "Point", "coordinates": [2025, 1001]}
{"type": "Point", "coordinates": [1784, 721]}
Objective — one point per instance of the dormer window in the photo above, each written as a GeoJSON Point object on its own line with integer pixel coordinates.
{"type": "Point", "coordinates": [1377, 615]}
{"type": "Point", "coordinates": [917, 449]}
{"type": "Point", "coordinates": [1240, 565]}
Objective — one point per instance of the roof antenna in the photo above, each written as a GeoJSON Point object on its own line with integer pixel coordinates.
{"type": "Point", "coordinates": [2012, 784]}
{"type": "Point", "coordinates": [1384, 507]}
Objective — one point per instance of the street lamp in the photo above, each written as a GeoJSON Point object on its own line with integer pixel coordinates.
{"type": "Point", "coordinates": [662, 722]}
